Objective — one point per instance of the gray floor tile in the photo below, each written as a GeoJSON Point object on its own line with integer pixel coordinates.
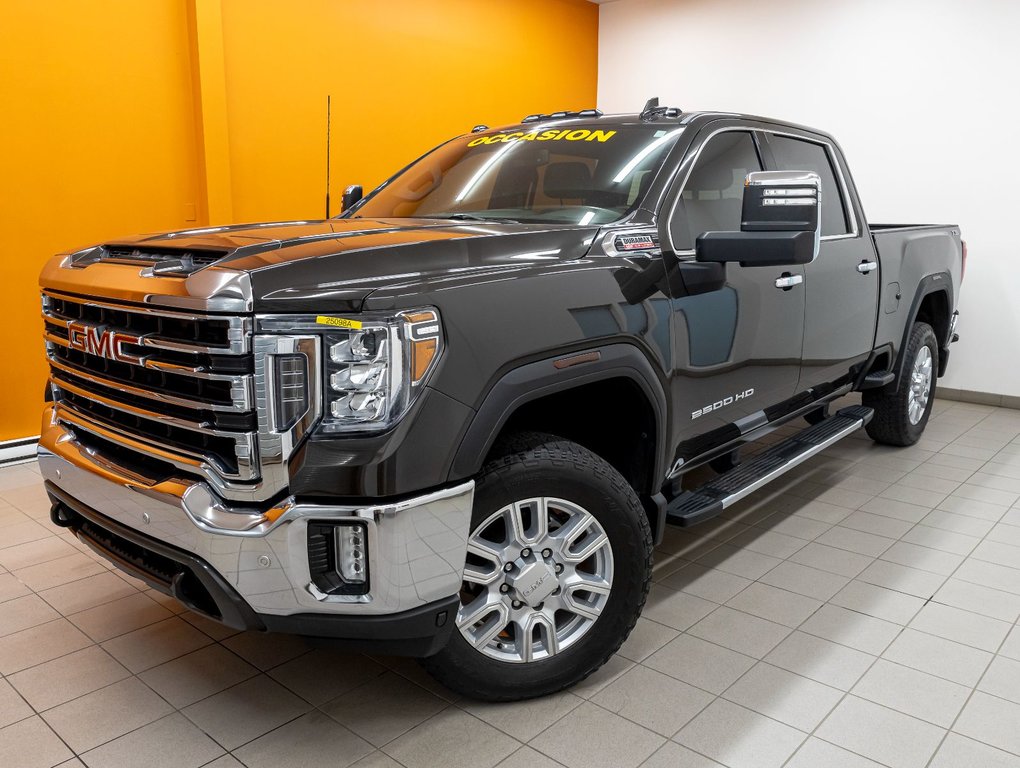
{"type": "Point", "coordinates": [990, 575]}
{"type": "Point", "coordinates": [991, 720]}
{"type": "Point", "coordinates": [805, 580]}
{"type": "Point", "coordinates": [11, 588]}
{"type": "Point", "coordinates": [30, 743]}
{"type": "Point", "coordinates": [881, 734]}
{"type": "Point", "coordinates": [87, 593]}
{"type": "Point", "coordinates": [815, 753]}
{"type": "Point", "coordinates": [672, 755]}
{"type": "Point", "coordinates": [912, 692]}
{"type": "Point", "coordinates": [784, 696]}
{"type": "Point", "coordinates": [706, 583]}
{"type": "Point", "coordinates": [246, 711]}
{"type": "Point", "coordinates": [41, 643]}
{"type": "Point", "coordinates": [385, 708]}
{"type": "Point", "coordinates": [312, 739]}
{"type": "Point", "coordinates": [591, 737]}
{"type": "Point", "coordinates": [1002, 679]}
{"type": "Point", "coordinates": [960, 626]}
{"type": "Point", "coordinates": [24, 613]}
{"type": "Point", "coordinates": [831, 559]}
{"type": "Point", "coordinates": [879, 525]}
{"type": "Point", "coordinates": [960, 752]}
{"type": "Point", "coordinates": [12, 706]}
{"type": "Point", "coordinates": [740, 738]}
{"type": "Point", "coordinates": [171, 742]}
{"type": "Point", "coordinates": [997, 552]}
{"type": "Point", "coordinates": [1011, 648]}
{"type": "Point", "coordinates": [856, 630]}
{"type": "Point", "coordinates": [266, 651]}
{"type": "Point", "coordinates": [924, 558]}
{"type": "Point", "coordinates": [56, 572]}
{"type": "Point", "coordinates": [741, 632]}
{"type": "Point", "coordinates": [867, 544]}
{"type": "Point", "coordinates": [323, 674]}
{"type": "Point", "coordinates": [603, 676]}
{"type": "Point", "coordinates": [118, 617]}
{"type": "Point", "coordinates": [152, 645]}
{"type": "Point", "coordinates": [993, 603]}
{"type": "Point", "coordinates": [198, 674]}
{"type": "Point", "coordinates": [700, 663]}
{"type": "Point", "coordinates": [774, 604]}
{"type": "Point", "coordinates": [657, 701]}
{"type": "Point", "coordinates": [937, 538]}
{"type": "Point", "coordinates": [102, 715]}
{"type": "Point", "coordinates": [678, 610]}
{"type": "Point", "coordinates": [645, 639]}
{"type": "Point", "coordinates": [767, 542]}
{"type": "Point", "coordinates": [955, 523]}
{"type": "Point", "coordinates": [901, 578]}
{"type": "Point", "coordinates": [68, 677]}
{"type": "Point", "coordinates": [741, 562]}
{"type": "Point", "coordinates": [525, 757]}
{"type": "Point", "coordinates": [830, 663]}
{"type": "Point", "coordinates": [882, 603]}
{"type": "Point", "coordinates": [938, 656]}
{"type": "Point", "coordinates": [523, 720]}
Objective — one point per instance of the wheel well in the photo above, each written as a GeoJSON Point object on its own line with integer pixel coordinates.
{"type": "Point", "coordinates": [593, 415]}
{"type": "Point", "coordinates": [934, 310]}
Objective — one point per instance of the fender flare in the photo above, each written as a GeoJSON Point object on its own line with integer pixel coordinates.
{"type": "Point", "coordinates": [539, 379]}
{"type": "Point", "coordinates": [937, 282]}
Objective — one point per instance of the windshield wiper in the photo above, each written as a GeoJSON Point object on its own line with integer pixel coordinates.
{"type": "Point", "coordinates": [471, 217]}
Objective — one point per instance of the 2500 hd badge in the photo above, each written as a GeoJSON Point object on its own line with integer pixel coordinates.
{"type": "Point", "coordinates": [334, 428]}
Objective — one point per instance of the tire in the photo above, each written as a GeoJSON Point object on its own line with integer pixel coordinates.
{"type": "Point", "coordinates": [530, 578]}
{"type": "Point", "coordinates": [900, 417]}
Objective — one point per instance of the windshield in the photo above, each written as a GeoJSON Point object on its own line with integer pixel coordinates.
{"type": "Point", "coordinates": [580, 174]}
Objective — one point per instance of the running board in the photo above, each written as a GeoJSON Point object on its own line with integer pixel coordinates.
{"type": "Point", "coordinates": [709, 500]}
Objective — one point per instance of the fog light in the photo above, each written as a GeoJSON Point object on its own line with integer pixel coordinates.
{"type": "Point", "coordinates": [350, 547]}
{"type": "Point", "coordinates": [338, 557]}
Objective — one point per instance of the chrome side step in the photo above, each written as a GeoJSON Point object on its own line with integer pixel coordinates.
{"type": "Point", "coordinates": [709, 500]}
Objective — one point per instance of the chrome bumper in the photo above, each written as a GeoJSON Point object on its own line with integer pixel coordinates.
{"type": "Point", "coordinates": [416, 547]}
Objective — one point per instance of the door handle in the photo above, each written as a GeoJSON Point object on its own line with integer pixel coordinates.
{"type": "Point", "coordinates": [786, 282]}
{"type": "Point", "coordinates": [867, 266]}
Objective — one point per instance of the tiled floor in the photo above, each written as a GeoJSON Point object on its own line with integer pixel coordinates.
{"type": "Point", "coordinates": [861, 612]}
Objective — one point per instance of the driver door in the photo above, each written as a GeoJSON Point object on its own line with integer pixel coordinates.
{"type": "Point", "coordinates": [736, 351]}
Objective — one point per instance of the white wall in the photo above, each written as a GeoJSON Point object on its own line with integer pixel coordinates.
{"type": "Point", "coordinates": [924, 97]}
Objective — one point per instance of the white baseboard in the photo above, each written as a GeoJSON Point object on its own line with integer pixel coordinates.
{"type": "Point", "coordinates": [17, 451]}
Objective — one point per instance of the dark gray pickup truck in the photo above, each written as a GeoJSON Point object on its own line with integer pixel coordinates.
{"type": "Point", "coordinates": [453, 421]}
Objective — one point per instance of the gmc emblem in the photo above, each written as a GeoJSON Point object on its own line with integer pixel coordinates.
{"type": "Point", "coordinates": [103, 342]}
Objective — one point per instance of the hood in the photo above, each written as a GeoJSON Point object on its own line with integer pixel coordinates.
{"type": "Point", "coordinates": [334, 265]}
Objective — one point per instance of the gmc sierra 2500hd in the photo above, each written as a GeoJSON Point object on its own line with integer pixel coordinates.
{"type": "Point", "coordinates": [452, 422]}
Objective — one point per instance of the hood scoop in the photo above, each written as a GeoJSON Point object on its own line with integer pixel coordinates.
{"type": "Point", "coordinates": [157, 260]}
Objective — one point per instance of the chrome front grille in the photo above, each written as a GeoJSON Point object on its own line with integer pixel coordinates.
{"type": "Point", "coordinates": [169, 390]}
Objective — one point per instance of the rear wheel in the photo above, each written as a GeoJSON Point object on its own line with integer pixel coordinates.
{"type": "Point", "coordinates": [558, 568]}
{"type": "Point", "coordinates": [901, 416]}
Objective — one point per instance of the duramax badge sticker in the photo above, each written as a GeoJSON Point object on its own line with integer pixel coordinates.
{"type": "Point", "coordinates": [579, 134]}
{"type": "Point", "coordinates": [338, 322]}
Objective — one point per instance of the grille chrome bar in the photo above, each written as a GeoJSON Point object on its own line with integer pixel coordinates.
{"type": "Point", "coordinates": [193, 462]}
{"type": "Point", "coordinates": [243, 404]}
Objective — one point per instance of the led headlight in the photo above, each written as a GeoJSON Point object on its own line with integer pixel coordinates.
{"type": "Point", "coordinates": [374, 371]}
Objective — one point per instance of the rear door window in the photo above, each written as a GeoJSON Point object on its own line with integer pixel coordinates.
{"type": "Point", "coordinates": [799, 155]}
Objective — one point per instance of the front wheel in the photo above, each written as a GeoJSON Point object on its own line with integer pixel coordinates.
{"type": "Point", "coordinates": [558, 569]}
{"type": "Point", "coordinates": [901, 416]}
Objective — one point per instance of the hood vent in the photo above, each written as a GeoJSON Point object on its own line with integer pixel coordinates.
{"type": "Point", "coordinates": [160, 261]}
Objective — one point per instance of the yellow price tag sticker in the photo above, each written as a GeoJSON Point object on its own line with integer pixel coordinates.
{"type": "Point", "coordinates": [338, 322]}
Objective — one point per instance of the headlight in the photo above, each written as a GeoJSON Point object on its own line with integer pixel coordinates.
{"type": "Point", "coordinates": [374, 371]}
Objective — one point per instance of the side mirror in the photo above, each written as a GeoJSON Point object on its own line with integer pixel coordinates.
{"type": "Point", "coordinates": [351, 195]}
{"type": "Point", "coordinates": [780, 223]}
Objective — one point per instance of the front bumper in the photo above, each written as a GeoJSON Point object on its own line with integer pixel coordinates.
{"type": "Point", "coordinates": [249, 568]}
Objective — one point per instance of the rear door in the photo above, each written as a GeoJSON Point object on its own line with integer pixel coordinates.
{"type": "Point", "coordinates": [736, 351]}
{"type": "Point", "coordinates": [841, 286]}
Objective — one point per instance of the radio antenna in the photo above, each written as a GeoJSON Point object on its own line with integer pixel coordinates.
{"type": "Point", "coordinates": [327, 156]}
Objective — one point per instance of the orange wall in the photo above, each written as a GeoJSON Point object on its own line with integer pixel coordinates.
{"type": "Point", "coordinates": [127, 116]}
